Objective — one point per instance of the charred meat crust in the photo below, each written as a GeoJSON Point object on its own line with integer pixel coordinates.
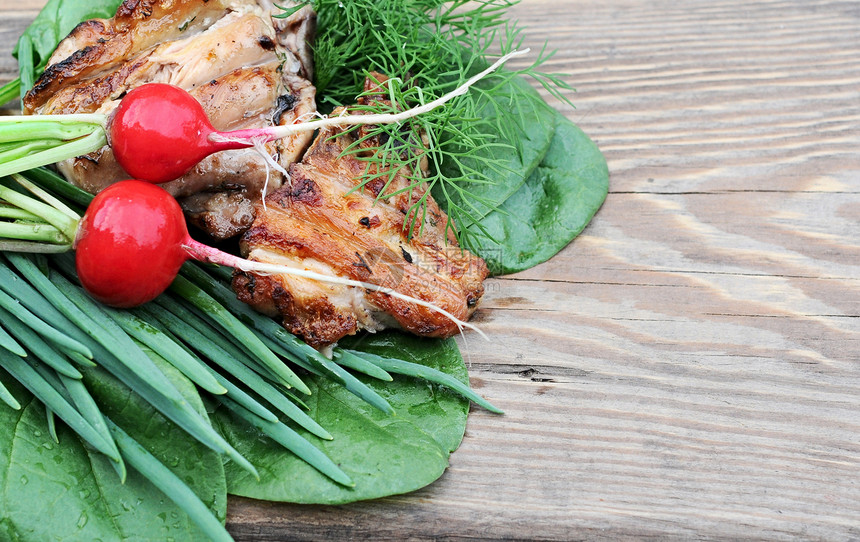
{"type": "Point", "coordinates": [320, 222]}
{"type": "Point", "coordinates": [315, 319]}
{"type": "Point", "coordinates": [137, 25]}
{"type": "Point", "coordinates": [229, 54]}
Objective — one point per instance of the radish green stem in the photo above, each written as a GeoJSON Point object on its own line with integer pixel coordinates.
{"type": "Point", "coordinates": [93, 119]}
{"type": "Point", "coordinates": [33, 128]}
{"type": "Point", "coordinates": [43, 233]}
{"type": "Point", "coordinates": [15, 151]}
{"type": "Point", "coordinates": [15, 213]}
{"type": "Point", "coordinates": [59, 219]}
{"type": "Point", "coordinates": [33, 248]}
{"type": "Point", "coordinates": [46, 197]}
{"type": "Point", "coordinates": [92, 142]}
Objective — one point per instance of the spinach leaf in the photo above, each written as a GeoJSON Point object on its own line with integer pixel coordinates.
{"type": "Point", "coordinates": [384, 455]}
{"type": "Point", "coordinates": [50, 26]}
{"type": "Point", "coordinates": [551, 208]}
{"type": "Point", "coordinates": [522, 131]}
{"type": "Point", "coordinates": [65, 491]}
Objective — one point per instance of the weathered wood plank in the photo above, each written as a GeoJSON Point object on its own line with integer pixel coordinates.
{"type": "Point", "coordinates": [688, 368]}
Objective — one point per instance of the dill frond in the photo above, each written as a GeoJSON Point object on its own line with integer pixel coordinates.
{"type": "Point", "coordinates": [427, 48]}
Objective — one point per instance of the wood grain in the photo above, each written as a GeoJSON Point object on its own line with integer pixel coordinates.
{"type": "Point", "coordinates": [689, 368]}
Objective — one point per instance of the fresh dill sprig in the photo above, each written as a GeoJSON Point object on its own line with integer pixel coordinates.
{"type": "Point", "coordinates": [427, 48]}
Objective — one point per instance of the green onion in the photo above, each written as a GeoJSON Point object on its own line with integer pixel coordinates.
{"type": "Point", "coordinates": [242, 372]}
{"type": "Point", "coordinates": [8, 398]}
{"type": "Point", "coordinates": [89, 410]}
{"type": "Point", "coordinates": [130, 364]}
{"type": "Point", "coordinates": [271, 331]}
{"type": "Point", "coordinates": [104, 330]}
{"type": "Point", "coordinates": [407, 368]}
{"type": "Point", "coordinates": [182, 414]}
{"type": "Point", "coordinates": [229, 322]}
{"type": "Point", "coordinates": [169, 484]}
{"type": "Point", "coordinates": [166, 348]}
{"type": "Point", "coordinates": [10, 344]}
{"type": "Point", "coordinates": [38, 386]}
{"type": "Point", "coordinates": [42, 350]}
{"type": "Point", "coordinates": [51, 421]}
{"type": "Point", "coordinates": [40, 327]}
{"type": "Point", "coordinates": [294, 442]}
{"type": "Point", "coordinates": [187, 319]}
{"type": "Point", "coordinates": [10, 91]}
{"type": "Point", "coordinates": [348, 359]}
{"type": "Point", "coordinates": [243, 399]}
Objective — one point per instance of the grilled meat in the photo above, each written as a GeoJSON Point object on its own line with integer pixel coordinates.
{"type": "Point", "coordinates": [246, 68]}
{"type": "Point", "coordinates": [317, 221]}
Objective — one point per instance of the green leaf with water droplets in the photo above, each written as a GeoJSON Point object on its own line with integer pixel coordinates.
{"type": "Point", "coordinates": [69, 492]}
{"type": "Point", "coordinates": [383, 454]}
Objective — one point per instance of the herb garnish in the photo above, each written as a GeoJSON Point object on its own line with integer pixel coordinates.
{"type": "Point", "coordinates": [427, 48]}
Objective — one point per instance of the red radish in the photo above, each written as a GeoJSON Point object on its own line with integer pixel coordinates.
{"type": "Point", "coordinates": [132, 241]}
{"type": "Point", "coordinates": [159, 131]}
{"type": "Point", "coordinates": [129, 243]}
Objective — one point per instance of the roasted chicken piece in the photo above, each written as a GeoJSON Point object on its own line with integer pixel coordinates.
{"type": "Point", "coordinates": [246, 68]}
{"type": "Point", "coordinates": [318, 221]}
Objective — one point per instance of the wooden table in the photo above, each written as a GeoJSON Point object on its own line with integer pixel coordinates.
{"type": "Point", "coordinates": [690, 366]}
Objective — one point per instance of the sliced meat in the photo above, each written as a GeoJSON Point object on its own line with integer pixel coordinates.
{"type": "Point", "coordinates": [321, 223]}
{"type": "Point", "coordinates": [229, 55]}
